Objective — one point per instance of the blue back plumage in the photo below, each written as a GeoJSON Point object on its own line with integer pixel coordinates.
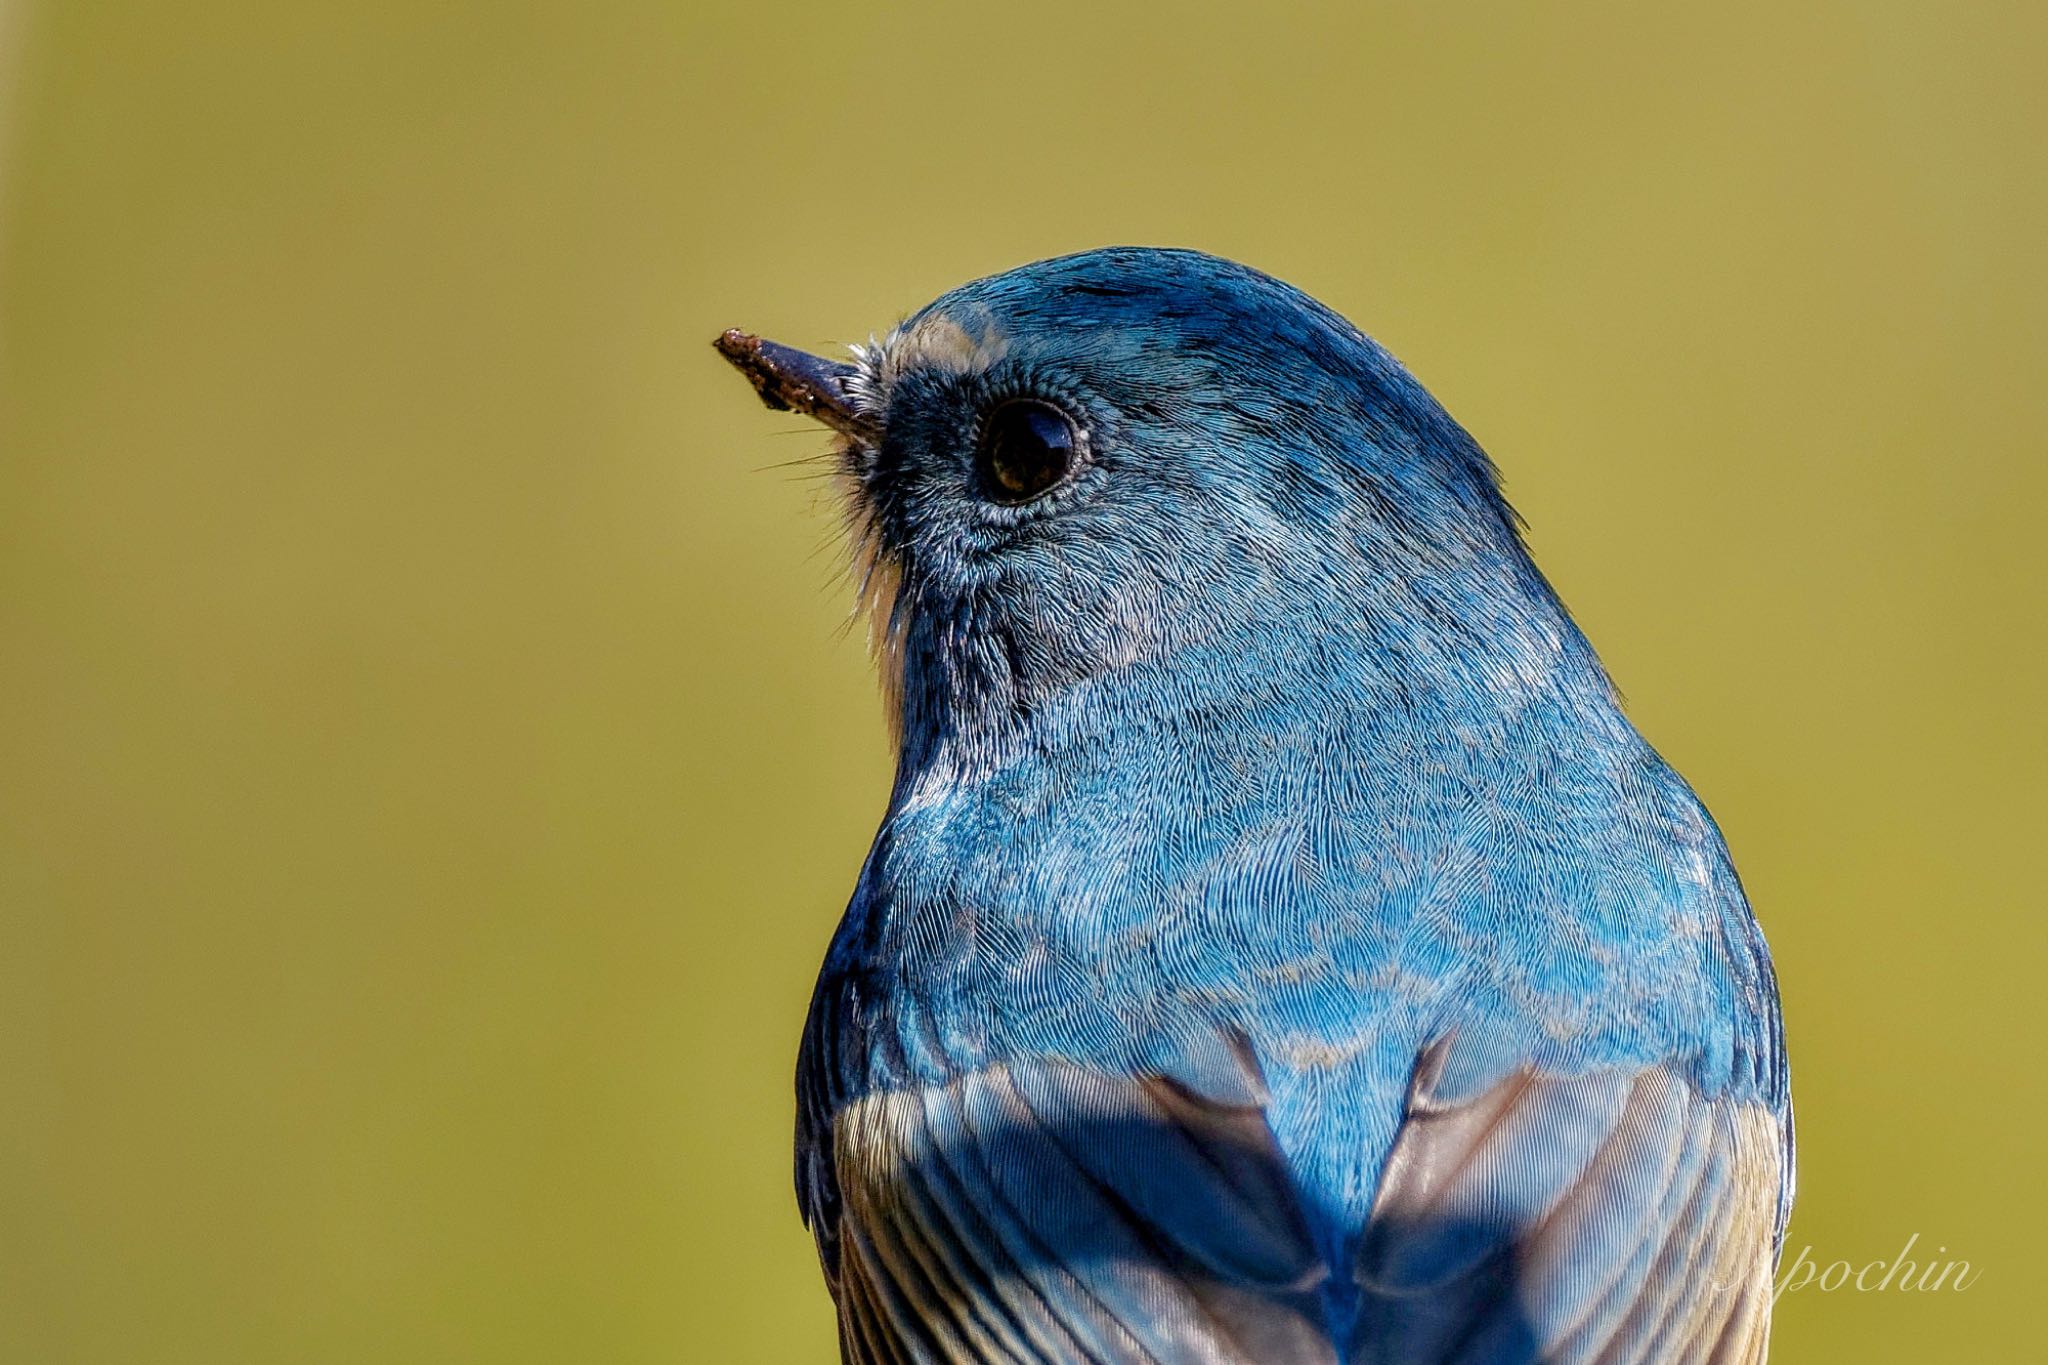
{"type": "Point", "coordinates": [1255, 761]}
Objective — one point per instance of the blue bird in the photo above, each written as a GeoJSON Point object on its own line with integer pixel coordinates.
{"type": "Point", "coordinates": [1278, 946]}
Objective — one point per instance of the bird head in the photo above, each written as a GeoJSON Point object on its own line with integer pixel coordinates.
{"type": "Point", "coordinates": [1140, 475]}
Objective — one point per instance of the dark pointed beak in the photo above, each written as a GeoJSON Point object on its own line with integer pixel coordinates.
{"type": "Point", "coordinates": [788, 380]}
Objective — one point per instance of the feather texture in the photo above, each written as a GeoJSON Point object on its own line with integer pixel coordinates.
{"type": "Point", "coordinates": [1048, 1213]}
{"type": "Point", "coordinates": [1610, 1217]}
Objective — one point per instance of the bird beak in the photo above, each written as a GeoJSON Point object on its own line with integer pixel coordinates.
{"type": "Point", "coordinates": [788, 380]}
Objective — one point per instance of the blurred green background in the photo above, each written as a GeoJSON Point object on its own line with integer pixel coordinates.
{"type": "Point", "coordinates": [432, 755]}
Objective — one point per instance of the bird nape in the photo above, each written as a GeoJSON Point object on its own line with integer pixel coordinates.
{"type": "Point", "coordinates": [1278, 946]}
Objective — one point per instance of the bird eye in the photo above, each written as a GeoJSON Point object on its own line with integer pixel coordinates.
{"type": "Point", "coordinates": [1027, 447]}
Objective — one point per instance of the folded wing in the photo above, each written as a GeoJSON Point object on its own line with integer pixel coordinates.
{"type": "Point", "coordinates": [1615, 1216]}
{"type": "Point", "coordinates": [1048, 1212]}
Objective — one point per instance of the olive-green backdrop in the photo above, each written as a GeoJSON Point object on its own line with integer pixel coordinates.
{"type": "Point", "coordinates": [432, 756]}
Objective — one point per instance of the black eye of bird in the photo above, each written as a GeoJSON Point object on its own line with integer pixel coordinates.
{"type": "Point", "coordinates": [1027, 447]}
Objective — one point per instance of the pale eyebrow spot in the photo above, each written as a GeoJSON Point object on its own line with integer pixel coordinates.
{"type": "Point", "coordinates": [967, 342]}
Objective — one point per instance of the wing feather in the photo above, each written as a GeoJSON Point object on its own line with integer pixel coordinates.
{"type": "Point", "coordinates": [1054, 1213]}
{"type": "Point", "coordinates": [1614, 1216]}
{"type": "Point", "coordinates": [1048, 1212]}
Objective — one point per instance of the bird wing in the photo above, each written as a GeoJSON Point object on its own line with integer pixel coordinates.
{"type": "Point", "coordinates": [1612, 1216]}
{"type": "Point", "coordinates": [1044, 1211]}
